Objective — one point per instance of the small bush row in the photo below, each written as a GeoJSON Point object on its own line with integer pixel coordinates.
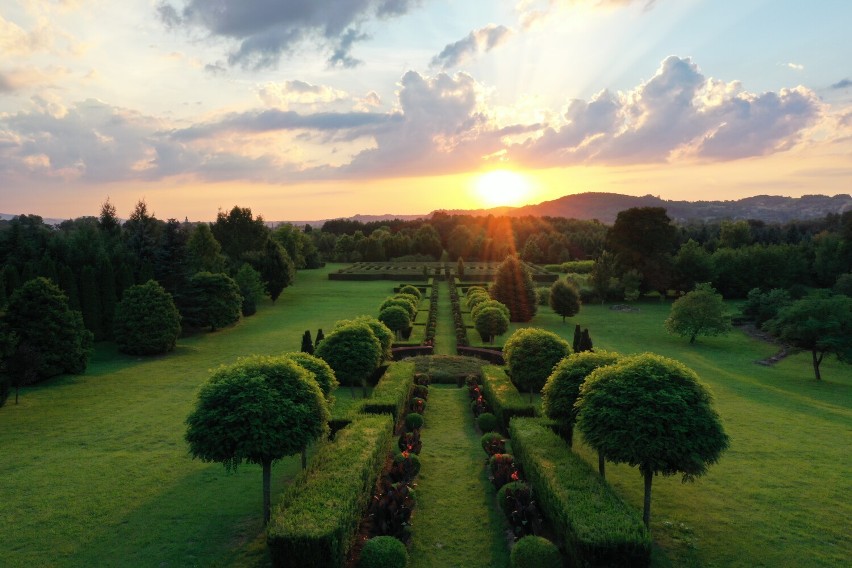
{"type": "Point", "coordinates": [598, 528]}
{"type": "Point", "coordinates": [432, 322]}
{"type": "Point", "coordinates": [321, 511]}
{"type": "Point", "coordinates": [503, 396]}
{"type": "Point", "coordinates": [458, 320]}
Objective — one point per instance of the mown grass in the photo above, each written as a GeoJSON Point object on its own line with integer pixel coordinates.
{"type": "Point", "coordinates": [456, 523]}
{"type": "Point", "coordinates": [779, 495]}
{"type": "Point", "coordinates": [95, 471]}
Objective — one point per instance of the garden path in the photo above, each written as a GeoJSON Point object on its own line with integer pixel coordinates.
{"type": "Point", "coordinates": [455, 522]}
{"type": "Point", "coordinates": [445, 339]}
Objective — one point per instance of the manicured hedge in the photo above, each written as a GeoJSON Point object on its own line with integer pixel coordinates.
{"type": "Point", "coordinates": [317, 520]}
{"type": "Point", "coordinates": [503, 397]}
{"type": "Point", "coordinates": [392, 392]}
{"type": "Point", "coordinates": [598, 528]}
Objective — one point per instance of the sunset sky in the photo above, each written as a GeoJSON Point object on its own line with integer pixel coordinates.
{"type": "Point", "coordinates": [310, 110]}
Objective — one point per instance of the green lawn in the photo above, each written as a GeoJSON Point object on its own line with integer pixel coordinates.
{"type": "Point", "coordinates": [95, 470]}
{"type": "Point", "coordinates": [779, 495]}
{"type": "Point", "coordinates": [455, 523]}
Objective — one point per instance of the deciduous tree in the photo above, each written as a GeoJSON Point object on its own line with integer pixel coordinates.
{"type": "Point", "coordinates": [700, 312]}
{"type": "Point", "coordinates": [565, 298]}
{"type": "Point", "coordinates": [146, 320]}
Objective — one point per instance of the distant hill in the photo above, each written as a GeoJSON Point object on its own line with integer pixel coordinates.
{"type": "Point", "coordinates": [606, 206]}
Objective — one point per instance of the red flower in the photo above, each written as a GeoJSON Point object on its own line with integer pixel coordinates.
{"type": "Point", "coordinates": [514, 476]}
{"type": "Point", "coordinates": [406, 454]}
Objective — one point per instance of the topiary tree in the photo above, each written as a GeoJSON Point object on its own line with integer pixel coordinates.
{"type": "Point", "coordinates": [320, 337]}
{"type": "Point", "coordinates": [531, 354]}
{"type": "Point", "coordinates": [395, 318]}
{"type": "Point", "coordinates": [585, 341]}
{"type": "Point", "coordinates": [322, 372]}
{"type": "Point", "coordinates": [514, 287]}
{"type": "Point", "coordinates": [405, 303]}
{"type": "Point", "coordinates": [475, 290]}
{"type": "Point", "coordinates": [251, 288]}
{"type": "Point", "coordinates": [307, 344]}
{"type": "Point", "coordinates": [410, 290]}
{"type": "Point", "coordinates": [490, 322]}
{"type": "Point", "coordinates": [820, 323]}
{"type": "Point", "coordinates": [383, 552]}
{"type": "Point", "coordinates": [213, 300]}
{"type": "Point", "coordinates": [652, 412]}
{"type": "Point", "coordinates": [146, 322]}
{"type": "Point", "coordinates": [535, 552]}
{"type": "Point", "coordinates": [460, 267]}
{"type": "Point", "coordinates": [565, 298]}
{"type": "Point", "coordinates": [562, 388]}
{"type": "Point", "coordinates": [51, 337]}
{"type": "Point", "coordinates": [488, 303]}
{"type": "Point", "coordinates": [477, 298]}
{"type": "Point", "coordinates": [258, 410]}
{"type": "Point", "coordinates": [353, 352]}
{"type": "Point", "coordinates": [700, 312]}
{"type": "Point", "coordinates": [380, 330]}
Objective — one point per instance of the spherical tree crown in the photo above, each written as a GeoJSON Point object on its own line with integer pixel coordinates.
{"type": "Point", "coordinates": [562, 388]}
{"type": "Point", "coordinates": [352, 351]}
{"type": "Point", "coordinates": [396, 318]}
{"type": "Point", "coordinates": [323, 374]}
{"type": "Point", "coordinates": [531, 354]}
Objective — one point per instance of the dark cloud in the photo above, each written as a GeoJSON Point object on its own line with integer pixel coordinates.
{"type": "Point", "coordinates": [842, 84]}
{"type": "Point", "coordinates": [678, 111]}
{"type": "Point", "coordinates": [266, 29]}
{"type": "Point", "coordinates": [478, 41]}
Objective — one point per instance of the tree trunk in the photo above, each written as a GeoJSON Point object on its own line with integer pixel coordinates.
{"type": "Point", "coordinates": [646, 513]}
{"type": "Point", "coordinates": [817, 361]}
{"type": "Point", "coordinates": [267, 478]}
{"type": "Point", "coordinates": [601, 465]}
{"type": "Point", "coordinates": [692, 339]}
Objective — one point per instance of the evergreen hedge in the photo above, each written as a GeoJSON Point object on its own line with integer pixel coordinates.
{"type": "Point", "coordinates": [598, 528]}
{"type": "Point", "coordinates": [316, 522]}
{"type": "Point", "coordinates": [503, 397]}
{"type": "Point", "coordinates": [392, 392]}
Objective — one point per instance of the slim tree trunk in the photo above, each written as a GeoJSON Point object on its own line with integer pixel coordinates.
{"type": "Point", "coordinates": [267, 481]}
{"type": "Point", "coordinates": [646, 513]}
{"type": "Point", "coordinates": [817, 361]}
{"type": "Point", "coordinates": [601, 465]}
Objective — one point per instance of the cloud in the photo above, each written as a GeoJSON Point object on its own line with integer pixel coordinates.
{"type": "Point", "coordinates": [794, 66]}
{"type": "Point", "coordinates": [678, 113]}
{"type": "Point", "coordinates": [532, 12]}
{"type": "Point", "coordinates": [842, 84]}
{"type": "Point", "coordinates": [295, 92]}
{"type": "Point", "coordinates": [14, 80]}
{"type": "Point", "coordinates": [478, 41]}
{"type": "Point", "coordinates": [265, 30]}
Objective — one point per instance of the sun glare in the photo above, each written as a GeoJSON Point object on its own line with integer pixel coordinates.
{"type": "Point", "coordinates": [502, 187]}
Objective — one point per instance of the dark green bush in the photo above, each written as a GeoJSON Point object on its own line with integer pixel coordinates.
{"type": "Point", "coordinates": [420, 390]}
{"type": "Point", "coordinates": [531, 354]}
{"type": "Point", "coordinates": [212, 300]}
{"type": "Point", "coordinates": [146, 320]}
{"type": "Point", "coordinates": [487, 422]}
{"type": "Point", "coordinates": [392, 392]}
{"type": "Point", "coordinates": [501, 494]}
{"type": "Point", "coordinates": [417, 405]}
{"type": "Point", "coordinates": [503, 397]}
{"type": "Point", "coordinates": [305, 530]}
{"type": "Point", "coordinates": [411, 290]}
{"type": "Point", "coordinates": [405, 467]}
{"type": "Point", "coordinates": [413, 421]}
{"type": "Point", "coordinates": [493, 443]}
{"type": "Point", "coordinates": [353, 351]}
{"type": "Point", "coordinates": [598, 528]}
{"type": "Point", "coordinates": [383, 552]}
{"type": "Point", "coordinates": [535, 552]}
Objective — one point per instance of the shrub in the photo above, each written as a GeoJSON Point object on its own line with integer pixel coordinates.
{"type": "Point", "coordinates": [542, 296]}
{"type": "Point", "coordinates": [417, 405]}
{"type": "Point", "coordinates": [503, 397]}
{"type": "Point", "coordinates": [489, 304]}
{"type": "Point", "coordinates": [502, 469]}
{"type": "Point", "coordinates": [405, 466]}
{"type": "Point", "coordinates": [305, 531]}
{"type": "Point", "coordinates": [473, 290]}
{"type": "Point", "coordinates": [487, 422]}
{"type": "Point", "coordinates": [396, 318]}
{"type": "Point", "coordinates": [391, 508]}
{"type": "Point", "coordinates": [146, 320]}
{"type": "Point", "coordinates": [535, 552]}
{"type": "Point", "coordinates": [517, 503]}
{"type": "Point", "coordinates": [493, 443]}
{"type": "Point", "coordinates": [383, 552]}
{"type": "Point", "coordinates": [380, 330]}
{"type": "Point", "coordinates": [420, 390]}
{"type": "Point", "coordinates": [213, 300]}
{"type": "Point", "coordinates": [353, 351]}
{"type": "Point", "coordinates": [531, 354]}
{"type": "Point", "coordinates": [476, 299]}
{"type": "Point", "coordinates": [413, 421]}
{"type": "Point", "coordinates": [410, 442]}
{"type": "Point", "coordinates": [598, 528]}
{"type": "Point", "coordinates": [405, 303]}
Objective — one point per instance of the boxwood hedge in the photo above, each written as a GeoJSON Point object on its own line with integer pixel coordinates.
{"type": "Point", "coordinates": [392, 392]}
{"type": "Point", "coordinates": [503, 397]}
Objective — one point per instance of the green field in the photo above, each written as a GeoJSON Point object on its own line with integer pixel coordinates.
{"type": "Point", "coordinates": [96, 473]}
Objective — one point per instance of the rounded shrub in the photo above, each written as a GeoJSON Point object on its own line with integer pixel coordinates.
{"type": "Point", "coordinates": [412, 290]}
{"type": "Point", "coordinates": [418, 404]}
{"type": "Point", "coordinates": [396, 318]}
{"type": "Point", "coordinates": [531, 354]}
{"type": "Point", "coordinates": [146, 320]}
{"type": "Point", "coordinates": [413, 298]}
{"type": "Point", "coordinates": [405, 303]}
{"type": "Point", "coordinates": [421, 391]}
{"type": "Point", "coordinates": [383, 552]}
{"type": "Point", "coordinates": [508, 489]}
{"type": "Point", "coordinates": [473, 290]}
{"type": "Point", "coordinates": [477, 299]}
{"type": "Point", "coordinates": [489, 304]}
{"type": "Point", "coordinates": [487, 422]}
{"type": "Point", "coordinates": [380, 330]}
{"type": "Point", "coordinates": [410, 463]}
{"type": "Point", "coordinates": [493, 443]}
{"type": "Point", "coordinates": [535, 552]}
{"type": "Point", "coordinates": [413, 421]}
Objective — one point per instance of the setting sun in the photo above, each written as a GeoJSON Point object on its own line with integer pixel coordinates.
{"type": "Point", "coordinates": [502, 187]}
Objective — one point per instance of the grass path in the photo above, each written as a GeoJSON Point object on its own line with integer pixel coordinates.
{"type": "Point", "coordinates": [455, 522]}
{"type": "Point", "coordinates": [445, 337]}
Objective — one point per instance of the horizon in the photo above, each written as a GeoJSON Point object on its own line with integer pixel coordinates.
{"type": "Point", "coordinates": [413, 106]}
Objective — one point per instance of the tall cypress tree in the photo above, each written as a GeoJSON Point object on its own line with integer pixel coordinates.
{"type": "Point", "coordinates": [307, 345]}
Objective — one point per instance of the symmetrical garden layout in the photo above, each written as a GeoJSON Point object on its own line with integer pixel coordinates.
{"type": "Point", "coordinates": [97, 473]}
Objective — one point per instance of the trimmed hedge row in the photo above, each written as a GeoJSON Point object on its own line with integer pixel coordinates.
{"type": "Point", "coordinates": [392, 392]}
{"type": "Point", "coordinates": [599, 529]}
{"type": "Point", "coordinates": [503, 396]}
{"type": "Point", "coordinates": [316, 522]}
